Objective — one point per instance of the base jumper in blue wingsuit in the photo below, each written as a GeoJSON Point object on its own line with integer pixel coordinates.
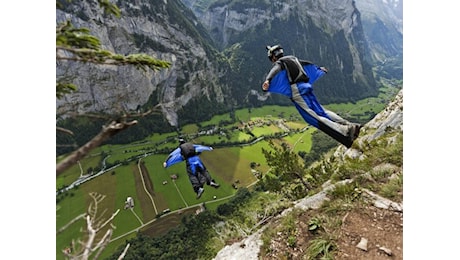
{"type": "Point", "coordinates": [293, 78]}
{"type": "Point", "coordinates": [197, 172]}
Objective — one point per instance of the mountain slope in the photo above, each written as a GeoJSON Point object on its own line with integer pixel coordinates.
{"type": "Point", "coordinates": [363, 224]}
{"type": "Point", "coordinates": [383, 26]}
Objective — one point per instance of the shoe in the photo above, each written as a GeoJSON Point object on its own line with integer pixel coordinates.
{"type": "Point", "coordinates": [356, 131]}
{"type": "Point", "coordinates": [199, 193]}
{"type": "Point", "coordinates": [213, 184]}
{"type": "Point", "coordinates": [353, 133]}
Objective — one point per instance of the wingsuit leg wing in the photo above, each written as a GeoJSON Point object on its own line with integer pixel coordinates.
{"type": "Point", "coordinates": [301, 94]}
{"type": "Point", "coordinates": [321, 121]}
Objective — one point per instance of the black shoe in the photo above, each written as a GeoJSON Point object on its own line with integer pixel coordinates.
{"type": "Point", "coordinates": [356, 131]}
{"type": "Point", "coordinates": [353, 133]}
{"type": "Point", "coordinates": [199, 193]}
{"type": "Point", "coordinates": [213, 184]}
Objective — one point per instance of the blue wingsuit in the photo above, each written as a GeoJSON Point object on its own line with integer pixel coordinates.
{"type": "Point", "coordinates": [197, 172]}
{"type": "Point", "coordinates": [301, 94]}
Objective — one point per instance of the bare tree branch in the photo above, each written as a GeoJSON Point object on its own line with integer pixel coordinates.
{"type": "Point", "coordinates": [108, 220]}
{"type": "Point", "coordinates": [124, 252]}
{"type": "Point", "coordinates": [92, 244]}
{"type": "Point", "coordinates": [91, 237]}
{"type": "Point", "coordinates": [70, 223]}
{"type": "Point", "coordinates": [61, 129]}
{"type": "Point", "coordinates": [103, 243]}
{"type": "Point", "coordinates": [107, 131]}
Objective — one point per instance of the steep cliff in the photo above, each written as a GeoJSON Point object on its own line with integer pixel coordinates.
{"type": "Point", "coordinates": [163, 29]}
{"type": "Point", "coordinates": [383, 27]}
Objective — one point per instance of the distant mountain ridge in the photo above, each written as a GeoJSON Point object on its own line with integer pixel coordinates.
{"type": "Point", "coordinates": [382, 22]}
{"type": "Point", "coordinates": [383, 27]}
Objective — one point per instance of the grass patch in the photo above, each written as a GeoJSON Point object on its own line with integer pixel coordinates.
{"type": "Point", "coordinates": [321, 248]}
{"type": "Point", "coordinates": [394, 188]}
{"type": "Point", "coordinates": [85, 166]}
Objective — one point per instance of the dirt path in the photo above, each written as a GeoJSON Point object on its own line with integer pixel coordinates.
{"type": "Point", "coordinates": [147, 183]}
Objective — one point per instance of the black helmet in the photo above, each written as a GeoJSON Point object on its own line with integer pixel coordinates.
{"type": "Point", "coordinates": [181, 140]}
{"type": "Point", "coordinates": [275, 50]}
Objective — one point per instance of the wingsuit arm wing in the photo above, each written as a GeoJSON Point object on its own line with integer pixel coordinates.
{"type": "Point", "coordinates": [200, 148]}
{"type": "Point", "coordinates": [176, 157]}
{"type": "Point", "coordinates": [173, 158]}
{"type": "Point", "coordinates": [314, 72]}
{"type": "Point", "coordinates": [280, 82]}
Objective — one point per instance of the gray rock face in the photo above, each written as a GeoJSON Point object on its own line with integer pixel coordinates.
{"type": "Point", "coordinates": [115, 88]}
{"type": "Point", "coordinates": [383, 24]}
{"type": "Point", "coordinates": [248, 248]}
{"type": "Point", "coordinates": [333, 16]}
{"type": "Point", "coordinates": [390, 117]}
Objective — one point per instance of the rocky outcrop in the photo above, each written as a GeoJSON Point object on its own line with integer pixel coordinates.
{"type": "Point", "coordinates": [249, 247]}
{"type": "Point", "coordinates": [391, 117]}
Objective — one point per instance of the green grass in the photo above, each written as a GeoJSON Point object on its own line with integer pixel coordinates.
{"type": "Point", "coordinates": [365, 109]}
{"type": "Point", "coordinates": [116, 187]}
{"type": "Point", "coordinates": [265, 130]}
{"type": "Point", "coordinates": [190, 129]}
{"type": "Point", "coordinates": [74, 172]}
{"type": "Point", "coordinates": [125, 187]}
{"type": "Point", "coordinates": [274, 111]}
{"type": "Point", "coordinates": [300, 141]}
{"type": "Point", "coordinates": [233, 164]}
{"type": "Point", "coordinates": [321, 248]}
{"type": "Point", "coordinates": [72, 206]}
{"type": "Point", "coordinates": [296, 125]}
{"type": "Point", "coordinates": [157, 138]}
